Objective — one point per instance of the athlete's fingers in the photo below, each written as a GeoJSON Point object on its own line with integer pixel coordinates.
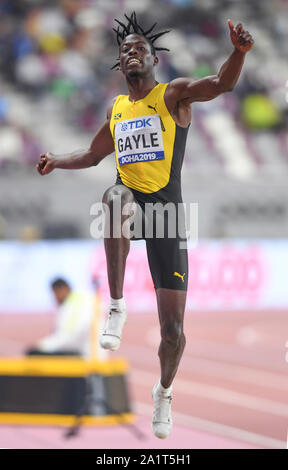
{"type": "Point", "coordinates": [39, 169]}
{"type": "Point", "coordinates": [247, 38]}
{"type": "Point", "coordinates": [42, 163]}
{"type": "Point", "coordinates": [239, 28]}
{"type": "Point", "coordinates": [231, 25]}
{"type": "Point", "coordinates": [44, 170]}
{"type": "Point", "coordinates": [243, 39]}
{"type": "Point", "coordinates": [245, 35]}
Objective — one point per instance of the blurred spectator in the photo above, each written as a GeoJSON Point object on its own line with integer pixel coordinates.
{"type": "Point", "coordinates": [77, 324]}
{"type": "Point", "coordinates": [259, 112]}
{"type": "Point", "coordinates": [29, 234]}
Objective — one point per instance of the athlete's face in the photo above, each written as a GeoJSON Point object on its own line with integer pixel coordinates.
{"type": "Point", "coordinates": [136, 58]}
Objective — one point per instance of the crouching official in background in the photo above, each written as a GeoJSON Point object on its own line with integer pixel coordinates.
{"type": "Point", "coordinates": [78, 322]}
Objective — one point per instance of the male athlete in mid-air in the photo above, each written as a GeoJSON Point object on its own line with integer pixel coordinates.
{"type": "Point", "coordinates": [147, 129]}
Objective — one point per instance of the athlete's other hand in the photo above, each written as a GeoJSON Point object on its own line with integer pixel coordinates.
{"type": "Point", "coordinates": [46, 164]}
{"type": "Point", "coordinates": [240, 38]}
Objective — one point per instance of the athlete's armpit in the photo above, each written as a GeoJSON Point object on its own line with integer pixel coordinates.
{"type": "Point", "coordinates": [110, 107]}
{"type": "Point", "coordinates": [102, 144]}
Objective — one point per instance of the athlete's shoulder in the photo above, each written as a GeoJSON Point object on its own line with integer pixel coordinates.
{"type": "Point", "coordinates": [160, 87]}
{"type": "Point", "coordinates": [156, 94]}
{"type": "Point", "coordinates": [160, 90]}
{"type": "Point", "coordinates": [110, 106]}
{"type": "Point", "coordinates": [176, 87]}
{"type": "Point", "coordinates": [112, 103]}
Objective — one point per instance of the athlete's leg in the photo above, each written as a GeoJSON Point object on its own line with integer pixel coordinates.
{"type": "Point", "coordinates": [117, 246]}
{"type": "Point", "coordinates": [169, 269]}
{"type": "Point", "coordinates": [168, 261]}
{"type": "Point", "coordinates": [171, 306]}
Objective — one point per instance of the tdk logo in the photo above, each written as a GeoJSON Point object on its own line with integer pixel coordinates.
{"type": "Point", "coordinates": [138, 124]}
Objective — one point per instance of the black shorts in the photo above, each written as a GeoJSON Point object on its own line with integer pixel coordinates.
{"type": "Point", "coordinates": [165, 244]}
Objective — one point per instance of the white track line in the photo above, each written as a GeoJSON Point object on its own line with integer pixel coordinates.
{"type": "Point", "coordinates": [219, 394]}
{"type": "Point", "coordinates": [216, 428]}
{"type": "Point", "coordinates": [217, 350]}
{"type": "Point", "coordinates": [215, 368]}
{"type": "Point", "coordinates": [249, 335]}
{"type": "Point", "coordinates": [237, 373]}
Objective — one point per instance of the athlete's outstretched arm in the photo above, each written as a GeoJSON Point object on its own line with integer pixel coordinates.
{"type": "Point", "coordinates": [101, 146]}
{"type": "Point", "coordinates": [205, 89]}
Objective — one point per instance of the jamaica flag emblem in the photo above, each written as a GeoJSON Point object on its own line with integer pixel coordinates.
{"type": "Point", "coordinates": [117, 116]}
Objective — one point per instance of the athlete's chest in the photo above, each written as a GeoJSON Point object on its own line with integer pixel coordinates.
{"type": "Point", "coordinates": [139, 139]}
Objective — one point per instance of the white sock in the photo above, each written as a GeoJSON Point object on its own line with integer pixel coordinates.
{"type": "Point", "coordinates": [118, 303]}
{"type": "Point", "coordinates": [161, 389]}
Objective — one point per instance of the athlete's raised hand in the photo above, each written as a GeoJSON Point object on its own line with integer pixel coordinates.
{"type": "Point", "coordinates": [46, 164]}
{"type": "Point", "coordinates": [240, 38]}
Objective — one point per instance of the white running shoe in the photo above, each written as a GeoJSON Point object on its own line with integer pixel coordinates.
{"type": "Point", "coordinates": [112, 331]}
{"type": "Point", "coordinates": [162, 417]}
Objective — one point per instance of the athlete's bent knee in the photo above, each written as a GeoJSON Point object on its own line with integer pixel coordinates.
{"type": "Point", "coordinates": [119, 205]}
{"type": "Point", "coordinates": [172, 334]}
{"type": "Point", "coordinates": [115, 192]}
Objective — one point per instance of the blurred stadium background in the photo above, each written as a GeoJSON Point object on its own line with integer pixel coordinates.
{"type": "Point", "coordinates": [55, 84]}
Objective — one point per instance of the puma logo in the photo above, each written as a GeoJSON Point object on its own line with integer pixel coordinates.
{"type": "Point", "coordinates": [152, 107]}
{"type": "Point", "coordinates": [179, 275]}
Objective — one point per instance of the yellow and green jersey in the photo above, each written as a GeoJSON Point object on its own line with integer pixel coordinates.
{"type": "Point", "coordinates": [149, 146]}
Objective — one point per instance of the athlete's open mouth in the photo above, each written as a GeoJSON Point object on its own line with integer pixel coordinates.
{"type": "Point", "coordinates": [133, 61]}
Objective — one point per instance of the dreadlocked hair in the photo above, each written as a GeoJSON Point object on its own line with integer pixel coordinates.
{"type": "Point", "coordinates": [133, 26]}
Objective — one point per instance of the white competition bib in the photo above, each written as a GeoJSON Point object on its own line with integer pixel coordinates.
{"type": "Point", "coordinates": [139, 140]}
